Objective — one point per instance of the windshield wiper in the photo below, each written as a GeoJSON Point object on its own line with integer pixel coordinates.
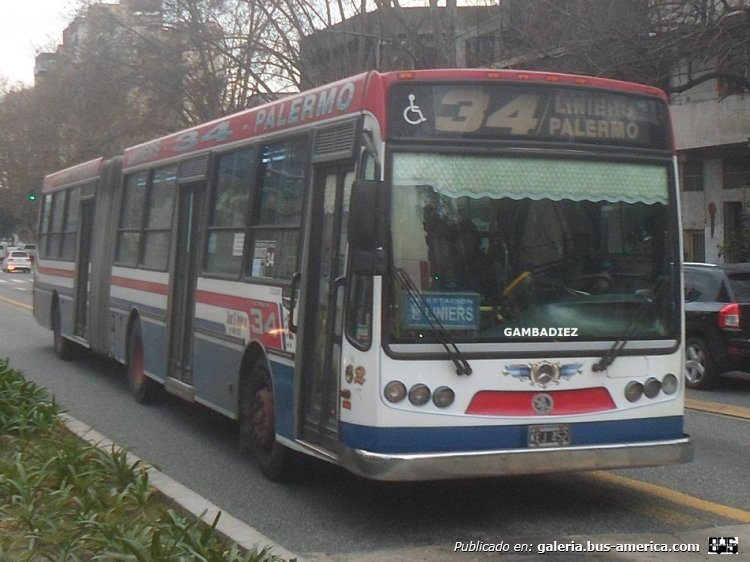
{"type": "Point", "coordinates": [614, 351]}
{"type": "Point", "coordinates": [416, 297]}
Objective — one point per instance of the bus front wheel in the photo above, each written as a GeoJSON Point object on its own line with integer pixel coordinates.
{"type": "Point", "coordinates": [258, 424]}
{"type": "Point", "coordinates": [143, 388]}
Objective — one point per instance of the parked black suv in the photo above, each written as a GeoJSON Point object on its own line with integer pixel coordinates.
{"type": "Point", "coordinates": [717, 321]}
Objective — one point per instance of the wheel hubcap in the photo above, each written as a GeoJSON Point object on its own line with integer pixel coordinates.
{"type": "Point", "coordinates": [694, 364]}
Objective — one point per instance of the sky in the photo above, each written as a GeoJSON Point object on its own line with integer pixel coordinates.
{"type": "Point", "coordinates": [27, 27]}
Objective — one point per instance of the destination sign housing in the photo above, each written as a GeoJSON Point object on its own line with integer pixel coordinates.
{"type": "Point", "coordinates": [538, 112]}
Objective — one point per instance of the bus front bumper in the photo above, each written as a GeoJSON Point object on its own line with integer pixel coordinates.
{"type": "Point", "coordinates": [482, 464]}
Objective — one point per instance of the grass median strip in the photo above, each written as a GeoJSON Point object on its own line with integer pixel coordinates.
{"type": "Point", "coordinates": [62, 499]}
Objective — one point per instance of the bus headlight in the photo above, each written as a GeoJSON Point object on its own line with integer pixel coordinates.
{"type": "Point", "coordinates": [394, 391]}
{"type": "Point", "coordinates": [419, 394]}
{"type": "Point", "coordinates": [669, 384]}
{"type": "Point", "coordinates": [633, 391]}
{"type": "Point", "coordinates": [652, 387]}
{"type": "Point", "coordinates": [443, 397]}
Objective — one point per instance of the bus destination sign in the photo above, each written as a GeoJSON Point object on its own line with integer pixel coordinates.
{"type": "Point", "coordinates": [541, 112]}
{"type": "Point", "coordinates": [453, 311]}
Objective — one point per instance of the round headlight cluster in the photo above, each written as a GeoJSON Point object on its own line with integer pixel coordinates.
{"type": "Point", "coordinates": [651, 388]}
{"type": "Point", "coordinates": [419, 394]}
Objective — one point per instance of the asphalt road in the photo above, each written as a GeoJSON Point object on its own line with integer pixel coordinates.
{"type": "Point", "coordinates": [327, 512]}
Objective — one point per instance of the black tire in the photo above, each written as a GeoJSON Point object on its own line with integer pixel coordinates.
{"type": "Point", "coordinates": [257, 425]}
{"type": "Point", "coordinates": [64, 348]}
{"type": "Point", "coordinates": [143, 388]}
{"type": "Point", "coordinates": [700, 370]}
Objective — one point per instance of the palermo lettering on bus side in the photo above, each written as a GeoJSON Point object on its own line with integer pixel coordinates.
{"type": "Point", "coordinates": [305, 107]}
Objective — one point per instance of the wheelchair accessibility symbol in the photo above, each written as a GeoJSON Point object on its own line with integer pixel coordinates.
{"type": "Point", "coordinates": [413, 114]}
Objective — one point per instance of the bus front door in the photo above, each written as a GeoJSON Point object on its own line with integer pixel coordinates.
{"type": "Point", "coordinates": [320, 360]}
{"type": "Point", "coordinates": [182, 291]}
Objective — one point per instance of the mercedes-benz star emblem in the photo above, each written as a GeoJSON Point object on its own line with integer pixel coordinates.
{"type": "Point", "coordinates": [542, 403]}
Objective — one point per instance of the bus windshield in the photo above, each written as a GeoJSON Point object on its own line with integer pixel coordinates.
{"type": "Point", "coordinates": [529, 248]}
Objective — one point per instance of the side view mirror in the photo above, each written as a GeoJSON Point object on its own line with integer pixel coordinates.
{"type": "Point", "coordinates": [363, 228]}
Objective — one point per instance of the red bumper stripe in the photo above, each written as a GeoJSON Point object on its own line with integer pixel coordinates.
{"type": "Point", "coordinates": [519, 403]}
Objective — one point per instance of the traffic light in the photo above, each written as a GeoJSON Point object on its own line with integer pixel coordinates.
{"type": "Point", "coordinates": [32, 196]}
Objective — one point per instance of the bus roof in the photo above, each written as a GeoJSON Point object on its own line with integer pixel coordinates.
{"type": "Point", "coordinates": [79, 173]}
{"type": "Point", "coordinates": [332, 100]}
{"type": "Point", "coordinates": [345, 97]}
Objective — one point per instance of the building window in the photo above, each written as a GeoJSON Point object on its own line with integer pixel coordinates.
{"type": "Point", "coordinates": [692, 176]}
{"type": "Point", "coordinates": [736, 173]}
{"type": "Point", "coordinates": [695, 245]}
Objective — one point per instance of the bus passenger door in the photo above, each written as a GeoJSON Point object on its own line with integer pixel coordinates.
{"type": "Point", "coordinates": [320, 363]}
{"type": "Point", "coordinates": [86, 225]}
{"type": "Point", "coordinates": [182, 290]}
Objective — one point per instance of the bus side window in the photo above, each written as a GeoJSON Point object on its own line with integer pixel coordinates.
{"type": "Point", "coordinates": [278, 214]}
{"type": "Point", "coordinates": [228, 212]}
{"type": "Point", "coordinates": [56, 224]}
{"type": "Point", "coordinates": [45, 226]}
{"type": "Point", "coordinates": [157, 233]}
{"type": "Point", "coordinates": [131, 219]}
{"type": "Point", "coordinates": [69, 232]}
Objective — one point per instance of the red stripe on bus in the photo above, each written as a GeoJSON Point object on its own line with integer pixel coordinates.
{"type": "Point", "coordinates": [519, 403]}
{"type": "Point", "coordinates": [147, 286]}
{"type": "Point", "coordinates": [227, 301]}
{"type": "Point", "coordinates": [57, 272]}
{"type": "Point", "coordinates": [86, 171]}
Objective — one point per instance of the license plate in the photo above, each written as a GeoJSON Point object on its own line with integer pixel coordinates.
{"type": "Point", "coordinates": [549, 436]}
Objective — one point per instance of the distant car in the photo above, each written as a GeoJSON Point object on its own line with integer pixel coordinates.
{"type": "Point", "coordinates": [717, 321]}
{"type": "Point", "coordinates": [17, 260]}
{"type": "Point", "coordinates": [31, 249]}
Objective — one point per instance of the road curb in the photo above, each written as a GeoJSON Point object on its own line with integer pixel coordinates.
{"type": "Point", "coordinates": [228, 526]}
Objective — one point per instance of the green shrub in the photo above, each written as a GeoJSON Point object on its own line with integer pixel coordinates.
{"type": "Point", "coordinates": [62, 499]}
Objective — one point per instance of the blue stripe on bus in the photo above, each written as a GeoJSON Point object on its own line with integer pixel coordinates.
{"type": "Point", "coordinates": [283, 396]}
{"type": "Point", "coordinates": [485, 438]}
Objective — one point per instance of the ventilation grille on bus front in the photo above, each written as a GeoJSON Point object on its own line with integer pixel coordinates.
{"type": "Point", "coordinates": [194, 169]}
{"type": "Point", "coordinates": [335, 142]}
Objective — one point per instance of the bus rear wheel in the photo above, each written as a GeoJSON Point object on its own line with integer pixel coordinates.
{"type": "Point", "coordinates": [143, 388]}
{"type": "Point", "coordinates": [258, 424]}
{"type": "Point", "coordinates": [64, 348]}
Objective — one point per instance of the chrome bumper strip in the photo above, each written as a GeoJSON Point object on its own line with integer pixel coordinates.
{"type": "Point", "coordinates": [479, 464]}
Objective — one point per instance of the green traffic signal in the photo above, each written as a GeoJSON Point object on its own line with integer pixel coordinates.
{"type": "Point", "coordinates": [32, 196]}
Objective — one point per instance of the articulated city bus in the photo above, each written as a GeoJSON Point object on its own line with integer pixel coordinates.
{"type": "Point", "coordinates": [414, 275]}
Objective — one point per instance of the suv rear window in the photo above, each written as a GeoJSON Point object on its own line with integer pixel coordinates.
{"type": "Point", "coordinates": [740, 283]}
{"type": "Point", "coordinates": [702, 286]}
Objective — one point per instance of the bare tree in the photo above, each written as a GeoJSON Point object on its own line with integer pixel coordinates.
{"type": "Point", "coordinates": [648, 41]}
{"type": "Point", "coordinates": [24, 155]}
